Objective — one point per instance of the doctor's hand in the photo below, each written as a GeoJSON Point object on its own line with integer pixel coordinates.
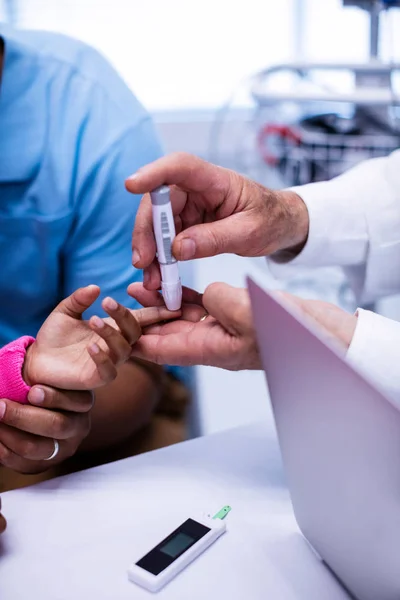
{"type": "Point", "coordinates": [214, 329]}
{"type": "Point", "coordinates": [226, 337]}
{"type": "Point", "coordinates": [216, 211]}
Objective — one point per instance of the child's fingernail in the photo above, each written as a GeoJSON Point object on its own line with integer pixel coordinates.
{"type": "Point", "coordinates": [36, 395]}
{"type": "Point", "coordinates": [135, 257]}
{"type": "Point", "coordinates": [3, 407]}
{"type": "Point", "coordinates": [146, 277]}
{"type": "Point", "coordinates": [110, 304]}
{"type": "Point", "coordinates": [97, 322]}
{"type": "Point", "coordinates": [95, 349]}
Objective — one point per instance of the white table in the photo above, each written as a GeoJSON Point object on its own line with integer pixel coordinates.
{"type": "Point", "coordinates": [73, 538]}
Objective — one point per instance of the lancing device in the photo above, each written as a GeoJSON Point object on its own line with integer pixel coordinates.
{"type": "Point", "coordinates": [164, 231]}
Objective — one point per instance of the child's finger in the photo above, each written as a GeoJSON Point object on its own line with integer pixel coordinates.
{"type": "Point", "coordinates": [131, 321]}
{"type": "Point", "coordinates": [119, 348]}
{"type": "Point", "coordinates": [106, 370]}
{"type": "Point", "coordinates": [79, 301]}
{"type": "Point", "coordinates": [125, 319]}
{"type": "Point", "coordinates": [145, 297]}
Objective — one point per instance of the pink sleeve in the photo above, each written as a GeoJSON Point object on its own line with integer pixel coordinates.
{"type": "Point", "coordinates": [12, 357]}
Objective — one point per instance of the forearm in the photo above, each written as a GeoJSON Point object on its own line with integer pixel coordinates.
{"type": "Point", "coordinates": [123, 407]}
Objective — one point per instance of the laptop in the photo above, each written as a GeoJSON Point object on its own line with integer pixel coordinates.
{"type": "Point", "coordinates": [340, 444]}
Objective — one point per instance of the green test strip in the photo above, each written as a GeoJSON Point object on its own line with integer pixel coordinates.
{"type": "Point", "coordinates": [221, 514]}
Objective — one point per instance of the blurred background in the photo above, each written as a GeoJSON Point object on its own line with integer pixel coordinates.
{"type": "Point", "coordinates": [272, 89]}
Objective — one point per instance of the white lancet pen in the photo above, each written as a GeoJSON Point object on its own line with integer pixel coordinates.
{"type": "Point", "coordinates": [164, 232]}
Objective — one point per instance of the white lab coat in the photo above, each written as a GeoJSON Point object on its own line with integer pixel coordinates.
{"type": "Point", "coordinates": [355, 223]}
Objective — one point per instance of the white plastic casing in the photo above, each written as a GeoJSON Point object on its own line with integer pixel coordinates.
{"type": "Point", "coordinates": [171, 286]}
{"type": "Point", "coordinates": [164, 232]}
{"type": "Point", "coordinates": [154, 583]}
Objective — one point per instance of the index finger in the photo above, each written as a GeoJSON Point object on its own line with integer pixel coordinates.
{"type": "Point", "coordinates": [126, 320]}
{"type": "Point", "coordinates": [187, 171]}
{"type": "Point", "coordinates": [143, 242]}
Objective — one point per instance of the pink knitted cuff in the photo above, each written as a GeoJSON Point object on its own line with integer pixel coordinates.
{"type": "Point", "coordinates": [12, 357]}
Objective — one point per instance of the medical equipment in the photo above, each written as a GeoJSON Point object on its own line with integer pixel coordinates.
{"type": "Point", "coordinates": [174, 553]}
{"type": "Point", "coordinates": [321, 146]}
{"type": "Point", "coordinates": [305, 130]}
{"type": "Point", "coordinates": [164, 231]}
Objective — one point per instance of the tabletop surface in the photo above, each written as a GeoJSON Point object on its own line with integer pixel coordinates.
{"type": "Point", "coordinates": [73, 538]}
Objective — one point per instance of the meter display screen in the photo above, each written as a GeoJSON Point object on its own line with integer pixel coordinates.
{"type": "Point", "coordinates": [178, 542]}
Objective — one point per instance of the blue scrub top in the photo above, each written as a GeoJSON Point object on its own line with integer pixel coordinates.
{"type": "Point", "coordinates": [70, 133]}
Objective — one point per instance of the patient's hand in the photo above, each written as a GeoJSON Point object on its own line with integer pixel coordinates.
{"type": "Point", "coordinates": [75, 354]}
{"type": "Point", "coordinates": [225, 338]}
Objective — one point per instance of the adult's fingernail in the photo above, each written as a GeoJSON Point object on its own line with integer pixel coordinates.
{"type": "Point", "coordinates": [3, 407]}
{"type": "Point", "coordinates": [134, 176]}
{"type": "Point", "coordinates": [135, 257]}
{"type": "Point", "coordinates": [187, 249]}
{"type": "Point", "coordinates": [36, 395]}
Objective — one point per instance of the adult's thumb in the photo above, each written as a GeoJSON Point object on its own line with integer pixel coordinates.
{"type": "Point", "coordinates": [230, 306]}
{"type": "Point", "coordinates": [210, 239]}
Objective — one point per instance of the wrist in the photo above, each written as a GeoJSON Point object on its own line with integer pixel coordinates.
{"type": "Point", "coordinates": [12, 384]}
{"type": "Point", "coordinates": [295, 233]}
